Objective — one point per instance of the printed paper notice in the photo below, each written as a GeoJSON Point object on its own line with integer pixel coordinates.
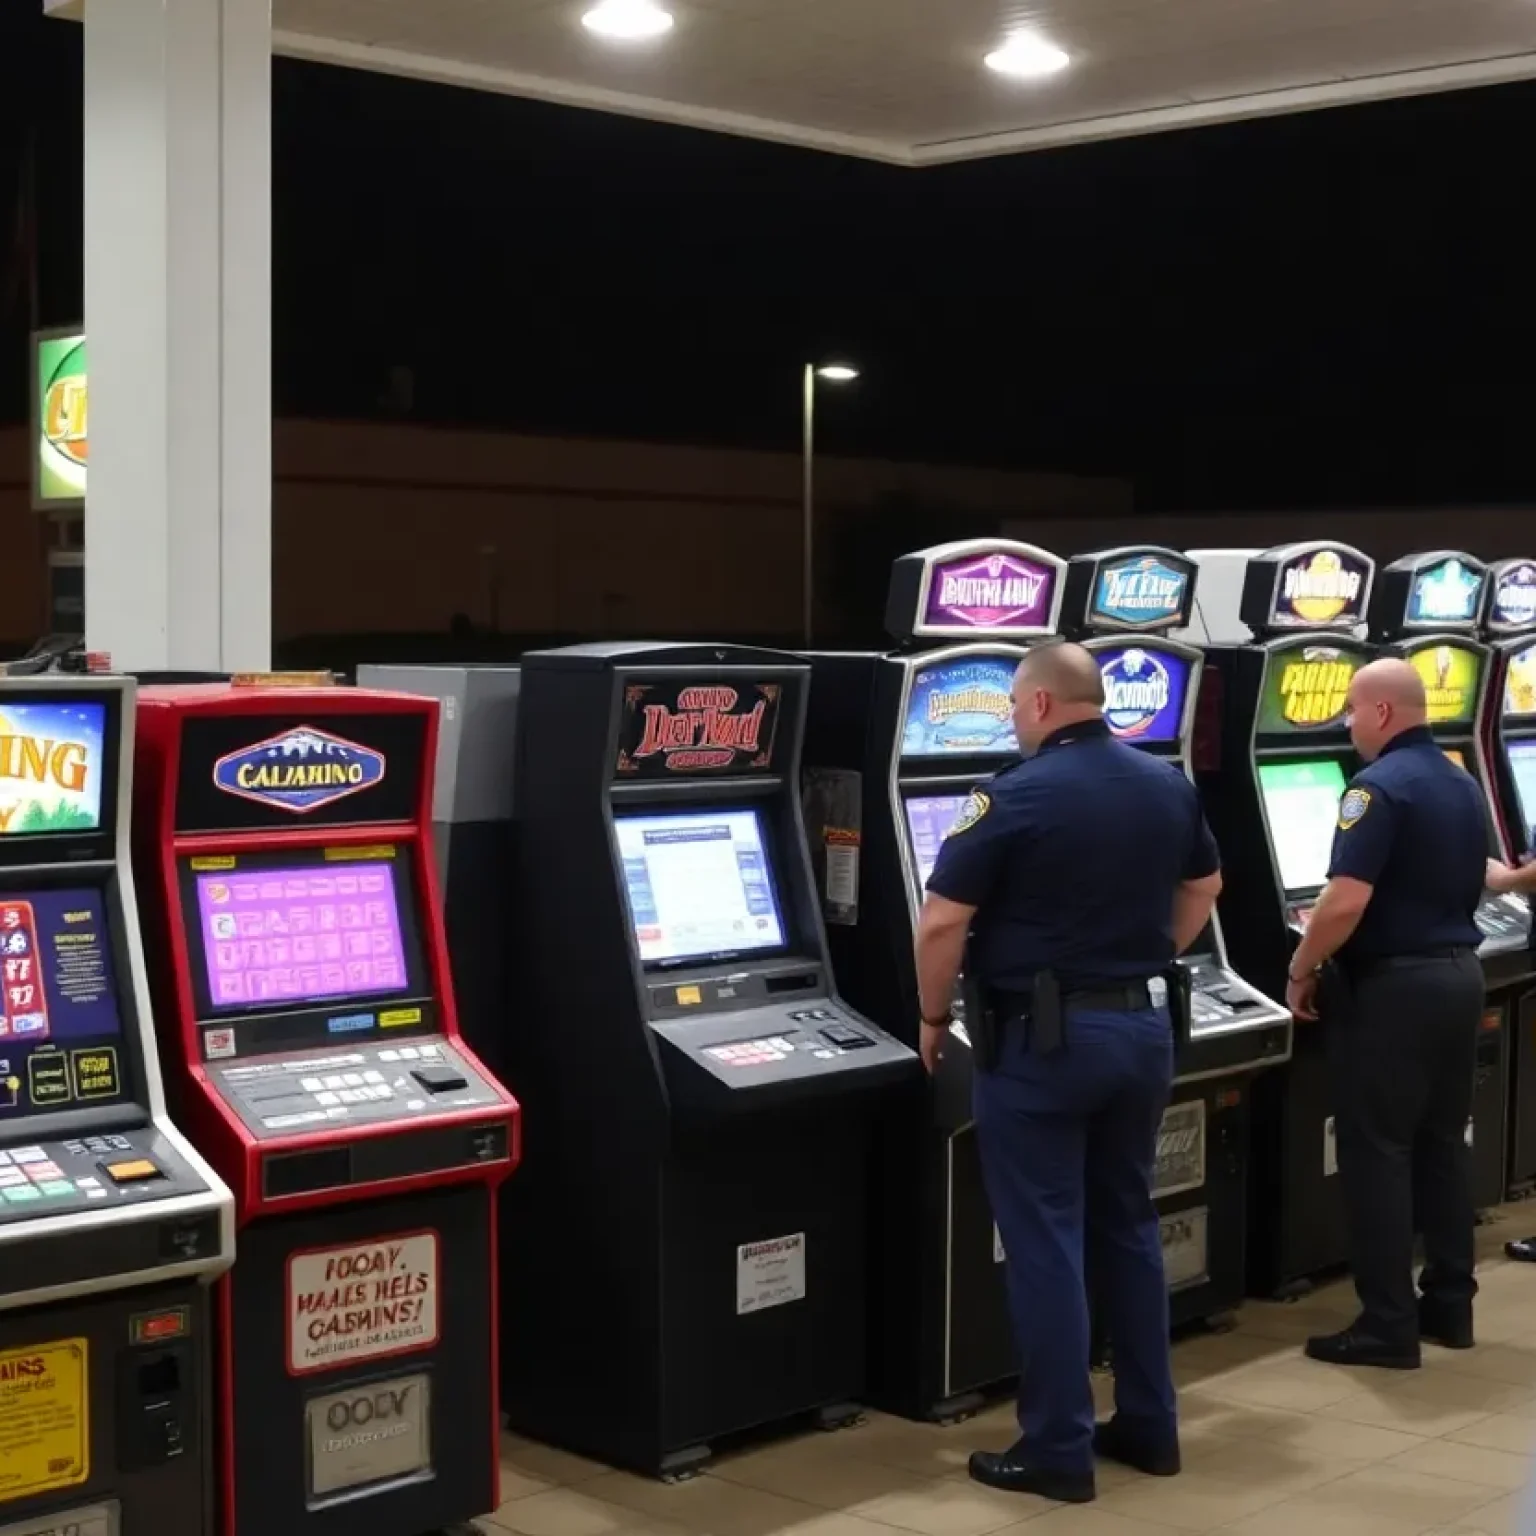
{"type": "Point", "coordinates": [45, 1419]}
{"type": "Point", "coordinates": [362, 1301]}
{"type": "Point", "coordinates": [770, 1273]}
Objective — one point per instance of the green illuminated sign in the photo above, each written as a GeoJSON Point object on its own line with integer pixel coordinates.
{"type": "Point", "coordinates": [60, 419]}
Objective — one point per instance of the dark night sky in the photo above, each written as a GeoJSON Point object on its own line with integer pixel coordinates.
{"type": "Point", "coordinates": [1319, 310]}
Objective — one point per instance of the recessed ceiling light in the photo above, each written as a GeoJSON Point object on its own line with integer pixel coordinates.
{"type": "Point", "coordinates": [838, 373]}
{"type": "Point", "coordinates": [1026, 57]}
{"type": "Point", "coordinates": [628, 21]}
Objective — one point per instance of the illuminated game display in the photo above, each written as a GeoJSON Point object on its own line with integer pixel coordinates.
{"type": "Point", "coordinates": [111, 1227]}
{"type": "Point", "coordinates": [60, 420]}
{"type": "Point", "coordinates": [1144, 692]}
{"type": "Point", "coordinates": [961, 707]}
{"type": "Point", "coordinates": [308, 1017]}
{"type": "Point", "coordinates": [929, 818]}
{"type": "Point", "coordinates": [1302, 802]}
{"type": "Point", "coordinates": [1522, 766]}
{"type": "Point", "coordinates": [698, 885]}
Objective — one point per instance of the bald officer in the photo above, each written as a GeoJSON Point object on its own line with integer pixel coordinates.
{"type": "Point", "coordinates": [1401, 1008]}
{"type": "Point", "coordinates": [1078, 876]}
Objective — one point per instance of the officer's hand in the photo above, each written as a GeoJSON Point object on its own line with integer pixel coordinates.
{"type": "Point", "coordinates": [930, 1045]}
{"type": "Point", "coordinates": [1500, 878]}
{"type": "Point", "coordinates": [1301, 997]}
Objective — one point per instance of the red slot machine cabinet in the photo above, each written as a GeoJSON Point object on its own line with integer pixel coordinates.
{"type": "Point", "coordinates": [303, 989]}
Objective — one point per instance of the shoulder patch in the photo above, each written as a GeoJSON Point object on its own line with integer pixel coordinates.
{"type": "Point", "coordinates": [977, 804]}
{"type": "Point", "coordinates": [1352, 807]}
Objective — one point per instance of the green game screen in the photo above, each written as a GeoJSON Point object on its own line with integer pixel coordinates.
{"type": "Point", "coordinates": [1301, 800]}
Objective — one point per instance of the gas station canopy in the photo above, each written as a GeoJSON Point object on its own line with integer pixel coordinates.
{"type": "Point", "coordinates": [903, 81]}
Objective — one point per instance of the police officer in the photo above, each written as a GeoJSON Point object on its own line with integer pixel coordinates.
{"type": "Point", "coordinates": [1401, 1006]}
{"type": "Point", "coordinates": [1078, 876]}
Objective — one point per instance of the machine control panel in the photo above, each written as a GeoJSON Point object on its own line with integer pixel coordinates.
{"type": "Point", "coordinates": [819, 1032]}
{"type": "Point", "coordinates": [368, 1084]}
{"type": "Point", "coordinates": [1220, 997]}
{"type": "Point", "coordinates": [109, 1171]}
{"type": "Point", "coordinates": [1505, 923]}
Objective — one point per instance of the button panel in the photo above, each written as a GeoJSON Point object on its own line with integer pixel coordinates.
{"type": "Point", "coordinates": [825, 1034]}
{"type": "Point", "coordinates": [300, 1093]}
{"type": "Point", "coordinates": [48, 1178]}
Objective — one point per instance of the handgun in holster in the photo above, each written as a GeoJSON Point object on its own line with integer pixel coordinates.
{"type": "Point", "coordinates": [1047, 1020]}
{"type": "Point", "coordinates": [1181, 993]}
{"type": "Point", "coordinates": [981, 1021]}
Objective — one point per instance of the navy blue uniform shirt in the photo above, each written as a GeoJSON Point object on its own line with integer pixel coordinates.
{"type": "Point", "coordinates": [1413, 826]}
{"type": "Point", "coordinates": [1072, 860]}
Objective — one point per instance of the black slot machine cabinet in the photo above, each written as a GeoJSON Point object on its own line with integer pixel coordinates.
{"type": "Point", "coordinates": [1508, 732]}
{"type": "Point", "coordinates": [692, 1213]}
{"type": "Point", "coordinates": [307, 1013]}
{"type": "Point", "coordinates": [1427, 609]}
{"type": "Point", "coordinates": [1272, 771]}
{"type": "Point", "coordinates": [1123, 603]}
{"type": "Point", "coordinates": [111, 1226]}
{"type": "Point", "coordinates": [894, 744]}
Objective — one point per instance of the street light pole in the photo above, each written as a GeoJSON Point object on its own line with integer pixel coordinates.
{"type": "Point", "coordinates": [808, 511]}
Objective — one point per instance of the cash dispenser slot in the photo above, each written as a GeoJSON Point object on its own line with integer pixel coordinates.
{"type": "Point", "coordinates": [382, 1158]}
{"type": "Point", "coordinates": [152, 1400]}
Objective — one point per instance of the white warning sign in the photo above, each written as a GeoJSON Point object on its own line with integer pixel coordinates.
{"type": "Point", "coordinates": [362, 1301]}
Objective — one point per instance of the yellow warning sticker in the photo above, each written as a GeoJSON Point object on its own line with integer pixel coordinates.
{"type": "Point", "coordinates": [361, 851]}
{"type": "Point", "coordinates": [394, 1018]}
{"type": "Point", "coordinates": [213, 861]}
{"type": "Point", "coordinates": [45, 1418]}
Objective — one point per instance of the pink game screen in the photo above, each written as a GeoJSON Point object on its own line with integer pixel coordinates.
{"type": "Point", "coordinates": [301, 935]}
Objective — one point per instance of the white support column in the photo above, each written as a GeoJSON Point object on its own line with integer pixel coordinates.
{"type": "Point", "coordinates": [178, 318]}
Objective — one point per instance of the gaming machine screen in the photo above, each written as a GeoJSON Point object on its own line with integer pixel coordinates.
{"type": "Point", "coordinates": [1522, 765]}
{"type": "Point", "coordinates": [929, 818]}
{"type": "Point", "coordinates": [699, 884]}
{"type": "Point", "coordinates": [60, 1029]}
{"type": "Point", "coordinates": [1301, 800]}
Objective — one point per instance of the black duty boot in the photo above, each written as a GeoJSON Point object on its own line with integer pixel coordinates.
{"type": "Point", "coordinates": [1356, 1347]}
{"type": "Point", "coordinates": [1446, 1323]}
{"type": "Point", "coordinates": [1118, 1441]}
{"type": "Point", "coordinates": [1016, 1471]}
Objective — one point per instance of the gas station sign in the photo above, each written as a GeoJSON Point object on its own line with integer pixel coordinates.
{"type": "Point", "coordinates": [59, 420]}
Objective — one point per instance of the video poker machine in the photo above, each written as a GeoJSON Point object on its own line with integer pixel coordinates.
{"type": "Point", "coordinates": [895, 742]}
{"type": "Point", "coordinates": [306, 1007]}
{"type": "Point", "coordinates": [1279, 663]}
{"type": "Point", "coordinates": [1123, 604]}
{"type": "Point", "coordinates": [693, 1204]}
{"type": "Point", "coordinates": [1507, 730]}
{"type": "Point", "coordinates": [111, 1226]}
{"type": "Point", "coordinates": [1428, 609]}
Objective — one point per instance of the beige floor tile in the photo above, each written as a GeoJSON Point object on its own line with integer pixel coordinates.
{"type": "Point", "coordinates": [516, 1484]}
{"type": "Point", "coordinates": [820, 1473]}
{"type": "Point", "coordinates": [952, 1506]}
{"type": "Point", "coordinates": [1467, 1464]}
{"type": "Point", "coordinates": [1299, 1386]}
{"type": "Point", "coordinates": [571, 1512]}
{"type": "Point", "coordinates": [929, 1450]}
{"type": "Point", "coordinates": [1414, 1417]}
{"type": "Point", "coordinates": [1337, 1438]}
{"type": "Point", "coordinates": [546, 1463]}
{"type": "Point", "coordinates": [1380, 1498]}
{"type": "Point", "coordinates": [1086, 1520]}
{"type": "Point", "coordinates": [1504, 1517]}
{"type": "Point", "coordinates": [1451, 1390]}
{"type": "Point", "coordinates": [1226, 1486]}
{"type": "Point", "coordinates": [1512, 1364]}
{"type": "Point", "coordinates": [1500, 1432]}
{"type": "Point", "coordinates": [706, 1503]}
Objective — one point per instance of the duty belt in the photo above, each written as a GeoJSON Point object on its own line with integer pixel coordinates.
{"type": "Point", "coordinates": [1120, 997]}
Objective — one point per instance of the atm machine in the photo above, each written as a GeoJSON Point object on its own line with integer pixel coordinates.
{"type": "Point", "coordinates": [307, 1012]}
{"type": "Point", "coordinates": [1279, 663]}
{"type": "Point", "coordinates": [1507, 731]}
{"type": "Point", "coordinates": [1123, 603]}
{"type": "Point", "coordinates": [1427, 608]}
{"type": "Point", "coordinates": [111, 1226]}
{"type": "Point", "coordinates": [894, 745]}
{"type": "Point", "coordinates": [693, 1209]}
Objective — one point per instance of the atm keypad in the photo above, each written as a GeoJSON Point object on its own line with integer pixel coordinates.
{"type": "Point", "coordinates": [36, 1180]}
{"type": "Point", "coordinates": [823, 1036]}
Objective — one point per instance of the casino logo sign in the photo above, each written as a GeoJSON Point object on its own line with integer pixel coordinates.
{"type": "Point", "coordinates": [1321, 587]}
{"type": "Point", "coordinates": [1137, 689]}
{"type": "Point", "coordinates": [299, 770]}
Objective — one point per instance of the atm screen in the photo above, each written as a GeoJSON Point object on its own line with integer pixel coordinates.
{"type": "Point", "coordinates": [699, 883]}
{"type": "Point", "coordinates": [300, 933]}
{"type": "Point", "coordinates": [60, 1029]}
{"type": "Point", "coordinates": [929, 818]}
{"type": "Point", "coordinates": [1522, 765]}
{"type": "Point", "coordinates": [1301, 800]}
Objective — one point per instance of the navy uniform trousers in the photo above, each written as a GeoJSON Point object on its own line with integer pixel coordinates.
{"type": "Point", "coordinates": [1068, 1143]}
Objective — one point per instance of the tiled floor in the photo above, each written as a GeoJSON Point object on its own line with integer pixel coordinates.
{"type": "Point", "coordinates": [1273, 1446]}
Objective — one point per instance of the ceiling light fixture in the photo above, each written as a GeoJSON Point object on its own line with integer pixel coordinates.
{"type": "Point", "coordinates": [837, 373]}
{"type": "Point", "coordinates": [1027, 57]}
{"type": "Point", "coordinates": [628, 21]}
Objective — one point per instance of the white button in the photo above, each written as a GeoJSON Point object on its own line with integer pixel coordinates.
{"type": "Point", "coordinates": [335, 1082]}
{"type": "Point", "coordinates": [389, 1055]}
{"type": "Point", "coordinates": [354, 1079]}
{"type": "Point", "coordinates": [373, 1077]}
{"type": "Point", "coordinates": [407, 1053]}
{"type": "Point", "coordinates": [5, 1159]}
{"type": "Point", "coordinates": [431, 1050]}
{"type": "Point", "coordinates": [311, 1085]}
{"type": "Point", "coordinates": [95, 1194]}
{"type": "Point", "coordinates": [339, 1113]}
{"type": "Point", "coordinates": [29, 1155]}
{"type": "Point", "coordinates": [327, 1098]}
{"type": "Point", "coordinates": [352, 1096]}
